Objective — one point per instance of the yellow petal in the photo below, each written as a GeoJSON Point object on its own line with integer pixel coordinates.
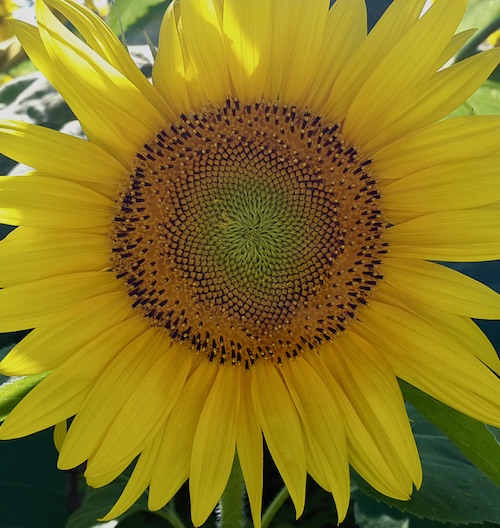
{"type": "Point", "coordinates": [144, 404]}
{"type": "Point", "coordinates": [324, 429]}
{"type": "Point", "coordinates": [62, 156]}
{"type": "Point", "coordinates": [60, 430]}
{"type": "Point", "coordinates": [394, 24]}
{"type": "Point", "coordinates": [345, 31]}
{"type": "Point", "coordinates": [59, 154]}
{"type": "Point", "coordinates": [63, 334]}
{"type": "Point", "coordinates": [433, 361]}
{"type": "Point", "coordinates": [126, 373]}
{"type": "Point", "coordinates": [214, 444]}
{"type": "Point", "coordinates": [366, 446]}
{"type": "Point", "coordinates": [433, 99]}
{"type": "Point", "coordinates": [25, 306]}
{"type": "Point", "coordinates": [104, 115]}
{"type": "Point", "coordinates": [172, 464]}
{"type": "Point", "coordinates": [297, 49]}
{"type": "Point", "coordinates": [458, 327]}
{"type": "Point", "coordinates": [456, 185]}
{"type": "Point", "coordinates": [102, 40]}
{"type": "Point", "coordinates": [282, 429]}
{"type": "Point", "coordinates": [456, 43]}
{"type": "Point", "coordinates": [36, 254]}
{"type": "Point", "coordinates": [455, 236]}
{"type": "Point", "coordinates": [61, 394]}
{"type": "Point", "coordinates": [36, 200]}
{"type": "Point", "coordinates": [370, 385]}
{"type": "Point", "coordinates": [139, 480]}
{"type": "Point", "coordinates": [250, 450]}
{"type": "Point", "coordinates": [199, 17]}
{"type": "Point", "coordinates": [281, 25]}
{"type": "Point", "coordinates": [406, 64]}
{"type": "Point", "coordinates": [247, 36]}
{"type": "Point", "coordinates": [169, 73]}
{"type": "Point", "coordinates": [442, 288]}
{"type": "Point", "coordinates": [453, 140]}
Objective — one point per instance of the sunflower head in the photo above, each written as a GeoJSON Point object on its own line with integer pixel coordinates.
{"type": "Point", "coordinates": [249, 231]}
{"type": "Point", "coordinates": [244, 249]}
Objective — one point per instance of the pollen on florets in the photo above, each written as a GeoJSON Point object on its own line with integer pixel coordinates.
{"type": "Point", "coordinates": [249, 231]}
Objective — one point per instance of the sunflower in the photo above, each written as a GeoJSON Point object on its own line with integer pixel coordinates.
{"type": "Point", "coordinates": [7, 7]}
{"type": "Point", "coordinates": [244, 249]}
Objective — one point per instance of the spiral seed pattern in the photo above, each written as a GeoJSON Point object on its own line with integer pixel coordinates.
{"type": "Point", "coordinates": [249, 231]}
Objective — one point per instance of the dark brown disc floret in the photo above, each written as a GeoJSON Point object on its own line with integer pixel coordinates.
{"type": "Point", "coordinates": [249, 231]}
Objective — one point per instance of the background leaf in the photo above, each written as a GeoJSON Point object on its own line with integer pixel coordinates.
{"type": "Point", "coordinates": [32, 489]}
{"type": "Point", "coordinates": [485, 101]}
{"type": "Point", "coordinates": [372, 514]}
{"type": "Point", "coordinates": [474, 440]}
{"type": "Point", "coordinates": [453, 490]}
{"type": "Point", "coordinates": [97, 502]}
{"type": "Point", "coordinates": [136, 17]}
{"type": "Point", "coordinates": [14, 390]}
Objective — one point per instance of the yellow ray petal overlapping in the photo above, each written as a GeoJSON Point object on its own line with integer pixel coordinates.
{"type": "Point", "coordinates": [170, 75]}
{"type": "Point", "coordinates": [397, 20]}
{"type": "Point", "coordinates": [65, 389]}
{"type": "Point", "coordinates": [250, 449]}
{"type": "Point", "coordinates": [282, 430]}
{"type": "Point", "coordinates": [37, 200]}
{"type": "Point", "coordinates": [452, 140]}
{"type": "Point", "coordinates": [247, 29]}
{"type": "Point", "coordinates": [72, 329]}
{"type": "Point", "coordinates": [139, 479]}
{"type": "Point", "coordinates": [345, 31]}
{"type": "Point", "coordinates": [214, 445]}
{"type": "Point", "coordinates": [174, 457]}
{"type": "Point", "coordinates": [433, 99]}
{"type": "Point", "coordinates": [323, 430]}
{"type": "Point", "coordinates": [379, 91]}
{"type": "Point", "coordinates": [454, 236]}
{"type": "Point", "coordinates": [102, 40]}
{"type": "Point", "coordinates": [27, 305]}
{"type": "Point", "coordinates": [39, 254]}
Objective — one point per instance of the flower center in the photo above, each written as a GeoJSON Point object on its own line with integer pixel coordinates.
{"type": "Point", "coordinates": [249, 232]}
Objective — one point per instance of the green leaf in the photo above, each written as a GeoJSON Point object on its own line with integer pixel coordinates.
{"type": "Point", "coordinates": [473, 439]}
{"type": "Point", "coordinates": [484, 102]}
{"type": "Point", "coordinates": [319, 511]}
{"type": "Point", "coordinates": [369, 513]}
{"type": "Point", "coordinates": [9, 91]}
{"type": "Point", "coordinates": [14, 390]}
{"type": "Point", "coordinates": [143, 519]}
{"type": "Point", "coordinates": [372, 514]}
{"type": "Point", "coordinates": [32, 489]}
{"type": "Point", "coordinates": [129, 12]}
{"type": "Point", "coordinates": [453, 490]}
{"type": "Point", "coordinates": [97, 503]}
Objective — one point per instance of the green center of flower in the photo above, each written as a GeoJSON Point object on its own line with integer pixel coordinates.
{"type": "Point", "coordinates": [249, 232]}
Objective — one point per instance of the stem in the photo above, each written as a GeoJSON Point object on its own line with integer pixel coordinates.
{"type": "Point", "coordinates": [471, 47]}
{"type": "Point", "coordinates": [273, 508]}
{"type": "Point", "coordinates": [231, 514]}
